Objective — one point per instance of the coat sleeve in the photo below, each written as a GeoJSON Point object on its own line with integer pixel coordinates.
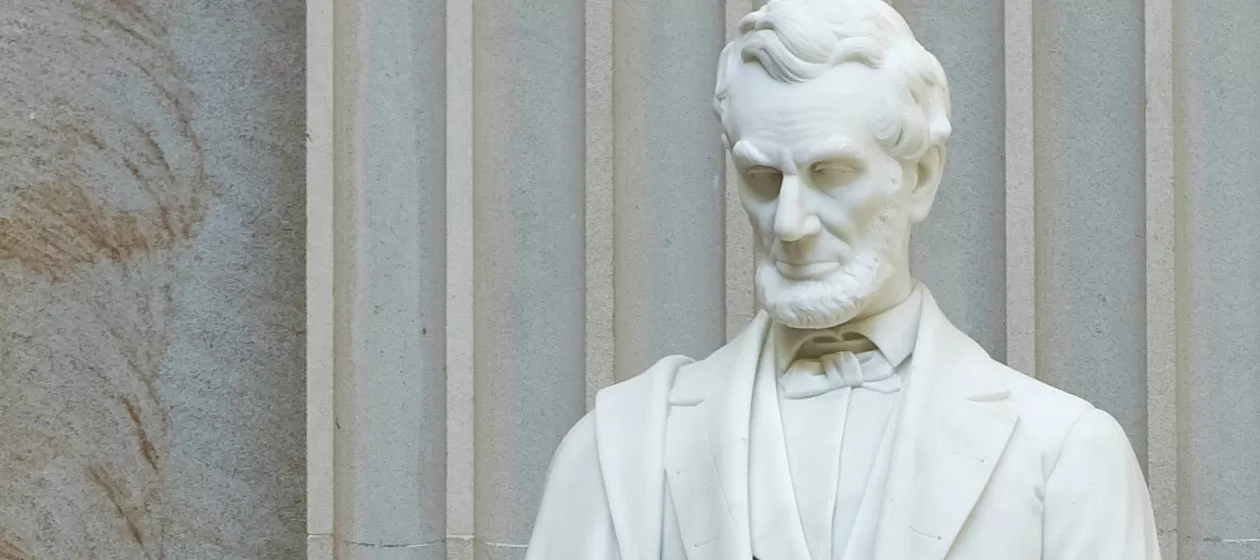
{"type": "Point", "coordinates": [574, 521]}
{"type": "Point", "coordinates": [1096, 501]}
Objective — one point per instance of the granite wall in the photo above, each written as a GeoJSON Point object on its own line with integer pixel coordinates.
{"type": "Point", "coordinates": [151, 279]}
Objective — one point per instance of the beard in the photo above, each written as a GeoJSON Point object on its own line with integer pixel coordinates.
{"type": "Point", "coordinates": [836, 299]}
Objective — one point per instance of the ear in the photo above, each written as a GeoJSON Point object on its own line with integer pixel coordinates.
{"type": "Point", "coordinates": [927, 177]}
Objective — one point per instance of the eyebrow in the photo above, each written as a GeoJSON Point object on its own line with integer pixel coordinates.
{"type": "Point", "coordinates": [837, 148]}
{"type": "Point", "coordinates": [833, 149]}
{"type": "Point", "coordinates": [749, 154]}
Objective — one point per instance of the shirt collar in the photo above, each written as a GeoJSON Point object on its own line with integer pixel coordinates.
{"type": "Point", "coordinates": [894, 332]}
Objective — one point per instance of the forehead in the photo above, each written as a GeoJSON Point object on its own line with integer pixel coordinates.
{"type": "Point", "coordinates": [844, 101]}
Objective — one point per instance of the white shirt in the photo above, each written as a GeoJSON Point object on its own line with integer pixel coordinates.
{"type": "Point", "coordinates": [832, 439]}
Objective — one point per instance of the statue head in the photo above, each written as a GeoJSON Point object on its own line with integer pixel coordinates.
{"type": "Point", "coordinates": [837, 119]}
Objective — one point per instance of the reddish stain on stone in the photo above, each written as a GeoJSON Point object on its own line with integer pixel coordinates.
{"type": "Point", "coordinates": [104, 181]}
{"type": "Point", "coordinates": [10, 550]}
{"type": "Point", "coordinates": [58, 226]}
{"type": "Point", "coordinates": [146, 446]}
{"type": "Point", "coordinates": [114, 493]}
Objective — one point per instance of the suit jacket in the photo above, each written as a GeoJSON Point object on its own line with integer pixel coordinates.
{"type": "Point", "coordinates": [987, 463]}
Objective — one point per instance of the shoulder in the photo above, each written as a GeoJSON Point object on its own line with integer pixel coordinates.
{"type": "Point", "coordinates": [1059, 423]}
{"type": "Point", "coordinates": [1040, 404]}
{"type": "Point", "coordinates": [629, 416]}
{"type": "Point", "coordinates": [1045, 412]}
{"type": "Point", "coordinates": [627, 399]}
{"type": "Point", "coordinates": [577, 452]}
{"type": "Point", "coordinates": [644, 391]}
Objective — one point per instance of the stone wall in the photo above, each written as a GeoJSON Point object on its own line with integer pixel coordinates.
{"type": "Point", "coordinates": [1094, 229]}
{"type": "Point", "coordinates": [151, 279]}
{"type": "Point", "coordinates": [530, 203]}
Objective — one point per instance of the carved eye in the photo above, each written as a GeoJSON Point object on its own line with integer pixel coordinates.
{"type": "Point", "coordinates": [763, 181]}
{"type": "Point", "coordinates": [832, 173]}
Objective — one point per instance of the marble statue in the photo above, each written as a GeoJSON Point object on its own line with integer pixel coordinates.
{"type": "Point", "coordinates": [850, 420]}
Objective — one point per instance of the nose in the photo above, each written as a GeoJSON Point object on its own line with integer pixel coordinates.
{"type": "Point", "coordinates": [791, 221]}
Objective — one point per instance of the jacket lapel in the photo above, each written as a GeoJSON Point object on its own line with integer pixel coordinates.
{"type": "Point", "coordinates": [630, 452]}
{"type": "Point", "coordinates": [706, 447]}
{"type": "Point", "coordinates": [774, 515]}
{"type": "Point", "coordinates": [955, 423]}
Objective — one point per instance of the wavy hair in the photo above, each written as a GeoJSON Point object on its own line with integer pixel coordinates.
{"type": "Point", "coordinates": [798, 40]}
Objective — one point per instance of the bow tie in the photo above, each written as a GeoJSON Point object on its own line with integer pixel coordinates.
{"type": "Point", "coordinates": [869, 370]}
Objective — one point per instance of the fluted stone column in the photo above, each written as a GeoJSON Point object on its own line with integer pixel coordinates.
{"type": "Point", "coordinates": [1088, 94]}
{"type": "Point", "coordinates": [959, 250]}
{"type": "Point", "coordinates": [669, 183]}
{"type": "Point", "coordinates": [529, 257]}
{"type": "Point", "coordinates": [1217, 123]}
{"type": "Point", "coordinates": [389, 279]}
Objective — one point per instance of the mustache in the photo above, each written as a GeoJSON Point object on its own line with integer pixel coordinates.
{"type": "Point", "coordinates": [835, 298]}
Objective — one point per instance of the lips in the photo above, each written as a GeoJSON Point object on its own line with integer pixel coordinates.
{"type": "Point", "coordinates": [806, 271]}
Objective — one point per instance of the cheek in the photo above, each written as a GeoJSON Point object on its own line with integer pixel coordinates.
{"type": "Point", "coordinates": [879, 191]}
{"type": "Point", "coordinates": [761, 216]}
{"type": "Point", "coordinates": [852, 208]}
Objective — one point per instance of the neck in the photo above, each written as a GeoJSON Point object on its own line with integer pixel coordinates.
{"type": "Point", "coordinates": [792, 343]}
{"type": "Point", "coordinates": [894, 291]}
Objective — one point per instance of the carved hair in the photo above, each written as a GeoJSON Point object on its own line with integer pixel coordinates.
{"type": "Point", "coordinates": [798, 40]}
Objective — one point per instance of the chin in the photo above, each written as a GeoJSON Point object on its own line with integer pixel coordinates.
{"type": "Point", "coordinates": [822, 303]}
